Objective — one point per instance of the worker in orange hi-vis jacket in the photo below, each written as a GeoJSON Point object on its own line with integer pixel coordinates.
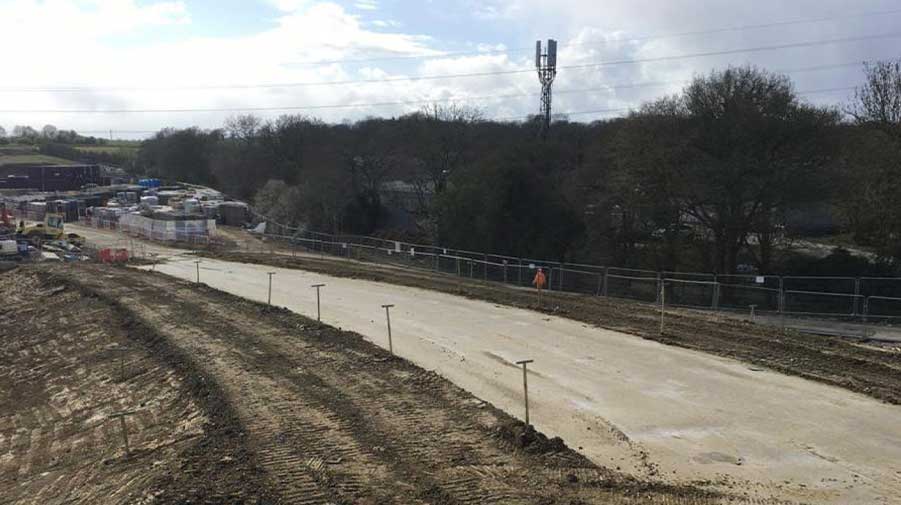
{"type": "Point", "coordinates": [540, 281]}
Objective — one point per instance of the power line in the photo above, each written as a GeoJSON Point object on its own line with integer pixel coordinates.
{"type": "Point", "coordinates": [648, 84]}
{"type": "Point", "coordinates": [777, 47]}
{"type": "Point", "coordinates": [712, 31]}
{"type": "Point", "coordinates": [627, 109]}
{"type": "Point", "coordinates": [509, 118]}
{"type": "Point", "coordinates": [356, 105]}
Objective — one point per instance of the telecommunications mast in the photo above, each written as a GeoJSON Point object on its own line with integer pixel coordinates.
{"type": "Point", "coordinates": [546, 63]}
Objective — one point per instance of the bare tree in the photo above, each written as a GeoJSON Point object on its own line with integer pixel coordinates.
{"type": "Point", "coordinates": [243, 128]}
{"type": "Point", "coordinates": [871, 160]}
{"type": "Point", "coordinates": [49, 132]}
{"type": "Point", "coordinates": [878, 102]}
{"type": "Point", "coordinates": [735, 149]}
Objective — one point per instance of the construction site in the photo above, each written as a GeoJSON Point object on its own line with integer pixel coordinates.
{"type": "Point", "coordinates": [221, 375]}
{"type": "Point", "coordinates": [328, 252]}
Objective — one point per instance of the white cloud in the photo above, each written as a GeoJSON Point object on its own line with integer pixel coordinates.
{"type": "Point", "coordinates": [366, 5]}
{"type": "Point", "coordinates": [289, 5]}
{"type": "Point", "coordinates": [61, 19]}
{"type": "Point", "coordinates": [69, 42]}
{"type": "Point", "coordinates": [60, 55]}
{"type": "Point", "coordinates": [386, 23]}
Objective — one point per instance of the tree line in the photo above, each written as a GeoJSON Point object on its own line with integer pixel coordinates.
{"type": "Point", "coordinates": [24, 134]}
{"type": "Point", "coordinates": [726, 175]}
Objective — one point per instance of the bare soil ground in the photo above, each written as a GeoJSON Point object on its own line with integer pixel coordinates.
{"type": "Point", "coordinates": [68, 363]}
{"type": "Point", "coordinates": [237, 402]}
{"type": "Point", "coordinates": [870, 370]}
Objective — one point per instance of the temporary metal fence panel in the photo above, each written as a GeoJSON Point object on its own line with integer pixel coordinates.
{"type": "Point", "coordinates": [883, 307]}
{"type": "Point", "coordinates": [689, 276]}
{"type": "Point", "coordinates": [688, 293]}
{"type": "Point", "coordinates": [742, 296]}
{"type": "Point", "coordinates": [822, 304]}
{"type": "Point", "coordinates": [842, 285]}
{"type": "Point", "coordinates": [498, 271]}
{"type": "Point", "coordinates": [827, 296]}
{"type": "Point", "coordinates": [632, 272]}
{"type": "Point", "coordinates": [635, 288]}
{"type": "Point", "coordinates": [889, 287]}
{"type": "Point", "coordinates": [579, 281]}
{"type": "Point", "coordinates": [757, 281]}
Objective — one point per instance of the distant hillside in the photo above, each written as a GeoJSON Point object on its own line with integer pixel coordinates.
{"type": "Point", "coordinates": [28, 155]}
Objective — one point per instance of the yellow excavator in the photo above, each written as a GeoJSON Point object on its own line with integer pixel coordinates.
{"type": "Point", "coordinates": [51, 229]}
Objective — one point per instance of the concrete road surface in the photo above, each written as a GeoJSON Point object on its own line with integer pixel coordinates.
{"type": "Point", "coordinates": [650, 409]}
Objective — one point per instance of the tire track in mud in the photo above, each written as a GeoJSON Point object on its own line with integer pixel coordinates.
{"type": "Point", "coordinates": [333, 419]}
{"type": "Point", "coordinates": [306, 421]}
{"type": "Point", "coordinates": [450, 445]}
{"type": "Point", "coordinates": [60, 380]}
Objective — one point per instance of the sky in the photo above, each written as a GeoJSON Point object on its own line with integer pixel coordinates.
{"type": "Point", "coordinates": [130, 67]}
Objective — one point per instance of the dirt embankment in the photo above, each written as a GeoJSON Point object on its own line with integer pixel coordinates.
{"type": "Point", "coordinates": [331, 418]}
{"type": "Point", "coordinates": [69, 363]}
{"type": "Point", "coordinates": [832, 360]}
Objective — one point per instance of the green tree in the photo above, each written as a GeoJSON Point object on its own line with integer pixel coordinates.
{"type": "Point", "coordinates": [181, 155]}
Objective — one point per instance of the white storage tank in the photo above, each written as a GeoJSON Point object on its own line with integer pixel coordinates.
{"type": "Point", "coordinates": [151, 201]}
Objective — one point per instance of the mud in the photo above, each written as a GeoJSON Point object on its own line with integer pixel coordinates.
{"type": "Point", "coordinates": [293, 411]}
{"type": "Point", "coordinates": [69, 362]}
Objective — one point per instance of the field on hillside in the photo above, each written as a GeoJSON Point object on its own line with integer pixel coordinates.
{"type": "Point", "coordinates": [20, 154]}
{"type": "Point", "coordinates": [125, 148]}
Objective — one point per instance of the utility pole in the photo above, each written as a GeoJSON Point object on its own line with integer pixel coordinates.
{"type": "Point", "coordinates": [546, 64]}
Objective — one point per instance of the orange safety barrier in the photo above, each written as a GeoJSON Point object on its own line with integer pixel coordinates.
{"type": "Point", "coordinates": [113, 255]}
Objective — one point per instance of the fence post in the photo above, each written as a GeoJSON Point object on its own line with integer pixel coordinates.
{"type": "Point", "coordinates": [505, 271]}
{"type": "Point", "coordinates": [865, 313]}
{"type": "Point", "coordinates": [525, 385]}
{"type": "Point", "coordinates": [781, 294]}
{"type": "Point", "coordinates": [606, 281]}
{"type": "Point", "coordinates": [485, 267]}
{"type": "Point", "coordinates": [560, 283]}
{"type": "Point", "coordinates": [856, 297]}
{"type": "Point", "coordinates": [716, 295]}
{"type": "Point", "coordinates": [519, 273]}
{"type": "Point", "coordinates": [600, 284]}
{"type": "Point", "coordinates": [387, 308]}
{"type": "Point", "coordinates": [658, 287]}
{"type": "Point", "coordinates": [318, 307]}
{"type": "Point", "coordinates": [662, 299]}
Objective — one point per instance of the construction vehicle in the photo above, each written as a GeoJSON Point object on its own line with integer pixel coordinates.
{"type": "Point", "coordinates": [51, 229]}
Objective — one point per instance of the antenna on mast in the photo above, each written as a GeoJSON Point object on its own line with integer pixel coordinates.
{"type": "Point", "coordinates": [546, 64]}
